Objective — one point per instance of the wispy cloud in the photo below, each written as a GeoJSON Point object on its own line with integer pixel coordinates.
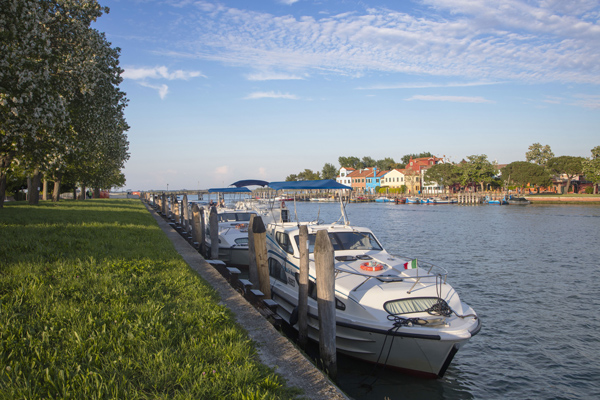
{"type": "Point", "coordinates": [143, 75]}
{"type": "Point", "coordinates": [222, 170]}
{"type": "Point", "coordinates": [288, 2]}
{"type": "Point", "coordinates": [162, 89]}
{"type": "Point", "coordinates": [159, 73]}
{"type": "Point", "coordinates": [272, 76]}
{"type": "Point", "coordinates": [452, 99]}
{"type": "Point", "coordinates": [426, 85]}
{"type": "Point", "coordinates": [588, 101]}
{"type": "Point", "coordinates": [270, 95]}
{"type": "Point", "coordinates": [491, 40]}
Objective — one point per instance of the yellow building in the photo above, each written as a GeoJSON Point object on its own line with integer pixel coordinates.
{"type": "Point", "coordinates": [394, 178]}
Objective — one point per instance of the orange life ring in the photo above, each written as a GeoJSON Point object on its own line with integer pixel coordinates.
{"type": "Point", "coordinates": [371, 266]}
{"type": "Point", "coordinates": [240, 226]}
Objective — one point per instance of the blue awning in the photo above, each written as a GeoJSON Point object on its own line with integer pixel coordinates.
{"type": "Point", "coordinates": [230, 190]}
{"type": "Point", "coordinates": [250, 182]}
{"type": "Point", "coordinates": [322, 184]}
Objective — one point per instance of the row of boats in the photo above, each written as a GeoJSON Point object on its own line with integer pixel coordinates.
{"type": "Point", "coordinates": [510, 200]}
{"type": "Point", "coordinates": [391, 310]}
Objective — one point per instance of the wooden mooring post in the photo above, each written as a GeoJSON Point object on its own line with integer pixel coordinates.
{"type": "Point", "coordinates": [185, 215]}
{"type": "Point", "coordinates": [259, 234]}
{"type": "Point", "coordinates": [325, 266]}
{"type": "Point", "coordinates": [198, 227]}
{"type": "Point", "coordinates": [214, 233]}
{"type": "Point", "coordinates": [252, 268]}
{"type": "Point", "coordinates": [303, 288]}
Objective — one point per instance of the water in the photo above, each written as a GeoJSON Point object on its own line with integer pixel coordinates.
{"type": "Point", "coordinates": [531, 273]}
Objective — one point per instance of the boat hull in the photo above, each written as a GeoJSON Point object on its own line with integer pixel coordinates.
{"type": "Point", "coordinates": [235, 257]}
{"type": "Point", "coordinates": [425, 353]}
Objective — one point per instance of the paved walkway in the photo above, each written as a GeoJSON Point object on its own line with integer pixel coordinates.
{"type": "Point", "coordinates": [274, 350]}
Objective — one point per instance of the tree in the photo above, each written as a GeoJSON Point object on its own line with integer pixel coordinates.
{"type": "Point", "coordinates": [522, 173]}
{"type": "Point", "coordinates": [386, 164]}
{"type": "Point", "coordinates": [306, 175]}
{"type": "Point", "coordinates": [368, 162]}
{"type": "Point", "coordinates": [406, 158]}
{"type": "Point", "coordinates": [99, 124]}
{"type": "Point", "coordinates": [539, 154]}
{"type": "Point", "coordinates": [568, 165]}
{"type": "Point", "coordinates": [329, 171]}
{"type": "Point", "coordinates": [350, 162]}
{"type": "Point", "coordinates": [443, 174]}
{"type": "Point", "coordinates": [591, 168]}
{"type": "Point", "coordinates": [51, 58]}
{"type": "Point", "coordinates": [479, 170]}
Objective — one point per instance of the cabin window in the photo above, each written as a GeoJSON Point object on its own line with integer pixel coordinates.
{"type": "Point", "coordinates": [345, 241]}
{"type": "Point", "coordinates": [229, 217]}
{"type": "Point", "coordinates": [408, 306]}
{"type": "Point", "coordinates": [312, 293]}
{"type": "Point", "coordinates": [277, 271]}
{"type": "Point", "coordinates": [284, 241]}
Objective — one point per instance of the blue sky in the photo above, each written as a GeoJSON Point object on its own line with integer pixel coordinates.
{"type": "Point", "coordinates": [227, 90]}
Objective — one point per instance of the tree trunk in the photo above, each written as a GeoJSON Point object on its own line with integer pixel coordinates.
{"type": "Point", "coordinates": [568, 184]}
{"type": "Point", "coordinates": [56, 192]}
{"type": "Point", "coordinates": [97, 193]}
{"type": "Point", "coordinates": [5, 162]}
{"type": "Point", "coordinates": [82, 195]}
{"type": "Point", "coordinates": [33, 191]}
{"type": "Point", "coordinates": [2, 188]}
{"type": "Point", "coordinates": [45, 190]}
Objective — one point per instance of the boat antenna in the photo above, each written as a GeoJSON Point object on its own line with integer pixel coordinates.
{"type": "Point", "coordinates": [295, 210]}
{"type": "Point", "coordinates": [343, 208]}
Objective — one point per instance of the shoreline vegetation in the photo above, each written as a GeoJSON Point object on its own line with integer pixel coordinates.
{"type": "Point", "coordinates": [96, 303]}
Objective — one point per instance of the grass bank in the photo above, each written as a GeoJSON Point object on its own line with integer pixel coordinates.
{"type": "Point", "coordinates": [95, 303]}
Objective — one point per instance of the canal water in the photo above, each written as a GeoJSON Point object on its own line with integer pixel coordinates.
{"type": "Point", "coordinates": [532, 275]}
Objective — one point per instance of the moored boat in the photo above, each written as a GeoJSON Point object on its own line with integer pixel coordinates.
{"type": "Point", "coordinates": [232, 220]}
{"type": "Point", "coordinates": [519, 201]}
{"type": "Point", "coordinates": [390, 310]}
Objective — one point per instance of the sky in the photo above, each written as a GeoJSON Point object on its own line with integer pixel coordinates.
{"type": "Point", "coordinates": [221, 91]}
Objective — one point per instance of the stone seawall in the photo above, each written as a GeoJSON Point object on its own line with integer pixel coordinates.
{"type": "Point", "coordinates": [563, 199]}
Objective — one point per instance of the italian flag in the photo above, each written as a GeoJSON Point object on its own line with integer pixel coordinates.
{"type": "Point", "coordinates": [411, 264]}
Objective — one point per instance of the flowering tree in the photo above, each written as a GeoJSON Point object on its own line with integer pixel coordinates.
{"type": "Point", "coordinates": [51, 58]}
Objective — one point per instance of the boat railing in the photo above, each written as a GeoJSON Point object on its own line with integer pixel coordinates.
{"type": "Point", "coordinates": [433, 271]}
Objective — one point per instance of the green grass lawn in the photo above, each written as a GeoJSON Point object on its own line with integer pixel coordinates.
{"type": "Point", "coordinates": [95, 303]}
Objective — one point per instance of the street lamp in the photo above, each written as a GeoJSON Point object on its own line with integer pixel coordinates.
{"type": "Point", "coordinates": [167, 187]}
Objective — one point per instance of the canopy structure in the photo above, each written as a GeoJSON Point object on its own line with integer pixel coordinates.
{"type": "Point", "coordinates": [249, 182]}
{"type": "Point", "coordinates": [230, 190]}
{"type": "Point", "coordinates": [309, 185]}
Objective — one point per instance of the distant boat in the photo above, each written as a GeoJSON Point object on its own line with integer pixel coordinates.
{"type": "Point", "coordinates": [496, 202]}
{"type": "Point", "coordinates": [413, 200]}
{"type": "Point", "coordinates": [447, 200]}
{"type": "Point", "coordinates": [518, 201]}
{"type": "Point", "coordinates": [383, 200]}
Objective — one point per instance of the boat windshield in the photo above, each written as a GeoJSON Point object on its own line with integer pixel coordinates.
{"type": "Point", "coordinates": [231, 216]}
{"type": "Point", "coordinates": [345, 241]}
